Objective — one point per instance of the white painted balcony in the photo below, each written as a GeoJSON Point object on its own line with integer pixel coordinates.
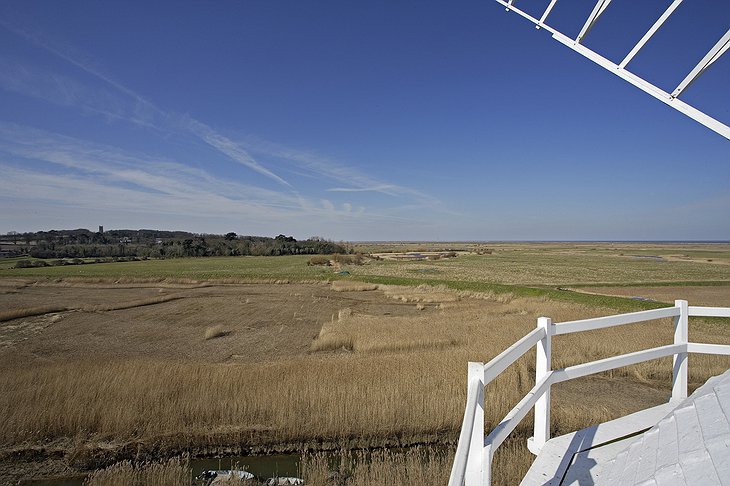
{"type": "Point", "coordinates": [473, 460]}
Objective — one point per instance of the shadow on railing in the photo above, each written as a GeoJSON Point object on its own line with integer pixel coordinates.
{"type": "Point", "coordinates": [474, 454]}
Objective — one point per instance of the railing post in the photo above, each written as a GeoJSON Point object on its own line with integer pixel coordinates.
{"type": "Point", "coordinates": [542, 407]}
{"type": "Point", "coordinates": [475, 467]}
{"type": "Point", "coordinates": [681, 336]}
{"type": "Point", "coordinates": [488, 457]}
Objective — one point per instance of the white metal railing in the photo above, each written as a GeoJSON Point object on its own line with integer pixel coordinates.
{"type": "Point", "coordinates": [474, 453]}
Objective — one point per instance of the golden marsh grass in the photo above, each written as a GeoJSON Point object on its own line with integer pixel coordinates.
{"type": "Point", "coordinates": [401, 379]}
{"type": "Point", "coordinates": [21, 312]}
{"type": "Point", "coordinates": [174, 472]}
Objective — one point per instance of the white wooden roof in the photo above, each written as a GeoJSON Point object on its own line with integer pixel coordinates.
{"type": "Point", "coordinates": [691, 445]}
{"type": "Point", "coordinates": [687, 443]}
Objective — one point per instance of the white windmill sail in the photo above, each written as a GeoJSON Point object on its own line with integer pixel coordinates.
{"type": "Point", "coordinates": [671, 99]}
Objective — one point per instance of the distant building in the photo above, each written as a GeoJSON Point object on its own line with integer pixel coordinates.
{"type": "Point", "coordinates": [101, 229]}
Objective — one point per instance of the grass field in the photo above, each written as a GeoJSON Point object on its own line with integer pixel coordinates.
{"type": "Point", "coordinates": [516, 264]}
{"type": "Point", "coordinates": [212, 268]}
{"type": "Point", "coordinates": [147, 359]}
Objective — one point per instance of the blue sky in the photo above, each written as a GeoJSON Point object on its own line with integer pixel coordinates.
{"type": "Point", "coordinates": [372, 120]}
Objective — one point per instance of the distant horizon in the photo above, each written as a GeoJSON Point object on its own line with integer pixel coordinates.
{"type": "Point", "coordinates": [406, 241]}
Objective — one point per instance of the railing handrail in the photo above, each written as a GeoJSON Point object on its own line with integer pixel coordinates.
{"type": "Point", "coordinates": [708, 311]}
{"type": "Point", "coordinates": [504, 359]}
{"type": "Point", "coordinates": [458, 471]}
{"type": "Point", "coordinates": [542, 334]}
{"type": "Point", "coordinates": [615, 320]}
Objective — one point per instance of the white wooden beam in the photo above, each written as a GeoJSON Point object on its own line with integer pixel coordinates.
{"type": "Point", "coordinates": [688, 110]}
{"type": "Point", "coordinates": [650, 33]}
{"type": "Point", "coordinates": [515, 416]}
{"type": "Point", "coordinates": [512, 354]}
{"type": "Point", "coordinates": [617, 320]}
{"type": "Point", "coordinates": [458, 470]}
{"type": "Point", "coordinates": [679, 362]}
{"type": "Point", "coordinates": [547, 12]}
{"type": "Point", "coordinates": [702, 348]}
{"type": "Point", "coordinates": [679, 105]}
{"type": "Point", "coordinates": [709, 311]}
{"type": "Point", "coordinates": [598, 10]}
{"type": "Point", "coordinates": [543, 366]}
{"type": "Point", "coordinates": [475, 464]}
{"type": "Point", "coordinates": [538, 23]}
{"type": "Point", "coordinates": [713, 55]}
{"type": "Point", "coordinates": [601, 365]}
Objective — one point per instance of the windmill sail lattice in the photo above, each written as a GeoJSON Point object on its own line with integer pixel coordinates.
{"type": "Point", "coordinates": [671, 99]}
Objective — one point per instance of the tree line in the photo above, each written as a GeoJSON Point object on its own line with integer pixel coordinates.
{"type": "Point", "coordinates": [82, 243]}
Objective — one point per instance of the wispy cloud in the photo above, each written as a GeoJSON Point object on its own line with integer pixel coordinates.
{"type": "Point", "coordinates": [351, 180]}
{"type": "Point", "coordinates": [228, 147]}
{"type": "Point", "coordinates": [64, 90]}
{"type": "Point", "coordinates": [84, 174]}
{"type": "Point", "coordinates": [383, 188]}
{"type": "Point", "coordinates": [144, 112]}
{"type": "Point", "coordinates": [60, 90]}
{"type": "Point", "coordinates": [136, 182]}
{"type": "Point", "coordinates": [116, 166]}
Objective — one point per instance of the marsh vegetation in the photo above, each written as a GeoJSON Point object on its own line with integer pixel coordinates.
{"type": "Point", "coordinates": [142, 367]}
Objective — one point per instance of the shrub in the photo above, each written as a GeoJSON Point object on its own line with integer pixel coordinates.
{"type": "Point", "coordinates": [215, 331]}
{"type": "Point", "coordinates": [23, 264]}
{"type": "Point", "coordinates": [319, 260]}
{"type": "Point", "coordinates": [348, 259]}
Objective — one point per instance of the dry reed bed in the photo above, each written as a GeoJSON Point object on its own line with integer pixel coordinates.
{"type": "Point", "coordinates": [132, 303]}
{"type": "Point", "coordinates": [11, 314]}
{"type": "Point", "coordinates": [164, 282]}
{"type": "Point", "coordinates": [175, 472]}
{"type": "Point", "coordinates": [538, 268]}
{"type": "Point", "coordinates": [380, 390]}
{"type": "Point", "coordinates": [421, 465]}
{"type": "Point", "coordinates": [366, 334]}
{"type": "Point", "coordinates": [361, 395]}
{"type": "Point", "coordinates": [417, 466]}
{"type": "Point", "coordinates": [22, 312]}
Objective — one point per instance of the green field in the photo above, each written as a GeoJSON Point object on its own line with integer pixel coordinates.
{"type": "Point", "coordinates": [211, 268]}
{"type": "Point", "coordinates": [531, 265]}
{"type": "Point", "coordinates": [522, 269]}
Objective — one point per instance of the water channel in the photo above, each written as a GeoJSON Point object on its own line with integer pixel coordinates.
{"type": "Point", "coordinates": [263, 467]}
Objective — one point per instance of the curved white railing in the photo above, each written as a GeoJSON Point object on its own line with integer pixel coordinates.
{"type": "Point", "coordinates": [473, 460]}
